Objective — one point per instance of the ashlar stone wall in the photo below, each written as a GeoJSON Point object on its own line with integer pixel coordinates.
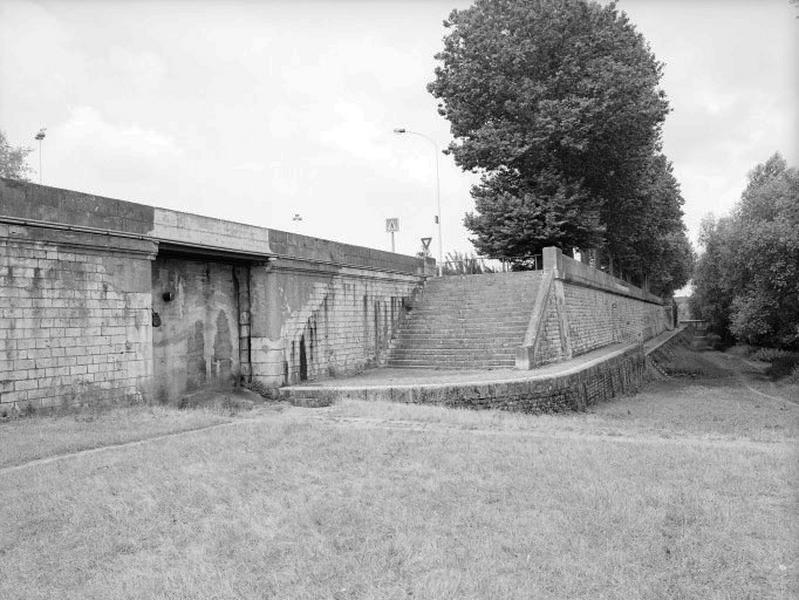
{"type": "Point", "coordinates": [74, 319]}
{"type": "Point", "coordinates": [581, 309]}
{"type": "Point", "coordinates": [308, 325]}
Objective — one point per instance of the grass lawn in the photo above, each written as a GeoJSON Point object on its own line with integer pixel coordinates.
{"type": "Point", "coordinates": [687, 490]}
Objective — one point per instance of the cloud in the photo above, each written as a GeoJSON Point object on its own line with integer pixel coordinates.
{"type": "Point", "coordinates": [86, 128]}
{"type": "Point", "coordinates": [129, 158]}
{"type": "Point", "coordinates": [140, 70]}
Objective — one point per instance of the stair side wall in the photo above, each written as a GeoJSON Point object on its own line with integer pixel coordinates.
{"type": "Point", "coordinates": [585, 309]}
{"type": "Point", "coordinates": [310, 324]}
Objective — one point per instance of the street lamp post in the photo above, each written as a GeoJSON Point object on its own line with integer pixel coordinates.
{"type": "Point", "coordinates": [39, 137]}
{"type": "Point", "coordinates": [401, 130]}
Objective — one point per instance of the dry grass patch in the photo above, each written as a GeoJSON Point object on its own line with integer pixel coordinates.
{"type": "Point", "coordinates": [287, 507]}
{"type": "Point", "coordinates": [683, 491]}
{"type": "Point", "coordinates": [90, 427]}
{"type": "Point", "coordinates": [41, 437]}
{"type": "Point", "coordinates": [667, 409]}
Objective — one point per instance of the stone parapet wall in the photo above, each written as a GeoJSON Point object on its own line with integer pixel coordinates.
{"type": "Point", "coordinates": [29, 203]}
{"type": "Point", "coordinates": [581, 309]}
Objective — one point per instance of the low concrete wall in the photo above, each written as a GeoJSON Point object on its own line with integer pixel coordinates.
{"type": "Point", "coordinates": [608, 376]}
{"type": "Point", "coordinates": [78, 295]}
{"type": "Point", "coordinates": [579, 309]}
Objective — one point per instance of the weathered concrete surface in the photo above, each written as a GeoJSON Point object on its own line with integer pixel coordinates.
{"type": "Point", "coordinates": [196, 342]}
{"type": "Point", "coordinates": [308, 325]}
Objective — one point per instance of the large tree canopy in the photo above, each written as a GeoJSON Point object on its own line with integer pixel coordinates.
{"type": "Point", "coordinates": [556, 103]}
{"type": "Point", "coordinates": [747, 279]}
{"type": "Point", "coordinates": [13, 160]}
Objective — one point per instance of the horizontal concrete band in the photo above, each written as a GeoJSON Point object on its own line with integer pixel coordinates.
{"type": "Point", "coordinates": [29, 204]}
{"type": "Point", "coordinates": [577, 273]}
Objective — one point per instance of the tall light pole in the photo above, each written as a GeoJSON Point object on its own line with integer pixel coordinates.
{"type": "Point", "coordinates": [39, 137]}
{"type": "Point", "coordinates": [401, 130]}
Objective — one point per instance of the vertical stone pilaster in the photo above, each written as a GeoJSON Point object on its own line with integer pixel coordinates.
{"type": "Point", "coordinates": [266, 345]}
{"type": "Point", "coordinates": [563, 318]}
{"type": "Point", "coordinates": [241, 274]}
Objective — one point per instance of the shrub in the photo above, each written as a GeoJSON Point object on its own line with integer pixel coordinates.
{"type": "Point", "coordinates": [783, 366]}
{"type": "Point", "coordinates": [769, 354]}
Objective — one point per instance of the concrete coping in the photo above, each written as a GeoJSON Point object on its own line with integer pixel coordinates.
{"type": "Point", "coordinates": [573, 271]}
{"type": "Point", "coordinates": [661, 340]}
{"type": "Point", "coordinates": [49, 208]}
{"type": "Point", "coordinates": [562, 369]}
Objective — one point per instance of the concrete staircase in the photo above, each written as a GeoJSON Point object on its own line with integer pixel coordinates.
{"type": "Point", "coordinates": [467, 322]}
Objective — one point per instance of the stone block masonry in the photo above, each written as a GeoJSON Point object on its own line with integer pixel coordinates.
{"type": "Point", "coordinates": [581, 309]}
{"type": "Point", "coordinates": [103, 300]}
{"type": "Point", "coordinates": [329, 324]}
{"type": "Point", "coordinates": [609, 374]}
{"type": "Point", "coordinates": [74, 320]}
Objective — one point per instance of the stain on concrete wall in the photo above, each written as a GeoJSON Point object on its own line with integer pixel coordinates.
{"type": "Point", "coordinates": [83, 316]}
{"type": "Point", "coordinates": [74, 322]}
{"type": "Point", "coordinates": [196, 344]}
{"type": "Point", "coordinates": [307, 326]}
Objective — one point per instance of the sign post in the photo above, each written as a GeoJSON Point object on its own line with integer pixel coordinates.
{"type": "Point", "coordinates": [392, 226]}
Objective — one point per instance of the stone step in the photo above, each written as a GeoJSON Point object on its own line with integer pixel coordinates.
{"type": "Point", "coordinates": [483, 311]}
{"type": "Point", "coordinates": [472, 364]}
{"type": "Point", "coordinates": [454, 320]}
{"type": "Point", "coordinates": [504, 345]}
{"type": "Point", "coordinates": [449, 333]}
{"type": "Point", "coordinates": [471, 321]}
{"type": "Point", "coordinates": [475, 311]}
{"type": "Point", "coordinates": [468, 354]}
{"type": "Point", "coordinates": [456, 341]}
{"type": "Point", "coordinates": [458, 329]}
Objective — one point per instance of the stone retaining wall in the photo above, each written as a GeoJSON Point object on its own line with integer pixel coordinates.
{"type": "Point", "coordinates": [581, 309]}
{"type": "Point", "coordinates": [611, 375]}
{"type": "Point", "coordinates": [83, 279]}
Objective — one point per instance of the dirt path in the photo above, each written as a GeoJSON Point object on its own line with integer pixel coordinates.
{"type": "Point", "coordinates": [666, 439]}
{"type": "Point", "coordinates": [116, 446]}
{"type": "Point", "coordinates": [746, 373]}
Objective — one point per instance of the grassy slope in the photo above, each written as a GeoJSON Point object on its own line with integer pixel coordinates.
{"type": "Point", "coordinates": [678, 492]}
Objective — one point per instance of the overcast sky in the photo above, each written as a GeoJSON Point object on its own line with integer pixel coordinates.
{"type": "Point", "coordinates": [254, 111]}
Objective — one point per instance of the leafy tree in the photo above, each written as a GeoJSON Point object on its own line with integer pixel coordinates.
{"type": "Point", "coordinates": [713, 293]}
{"type": "Point", "coordinates": [556, 104]}
{"type": "Point", "coordinates": [13, 160]}
{"type": "Point", "coordinates": [747, 281]}
{"type": "Point", "coordinates": [649, 240]}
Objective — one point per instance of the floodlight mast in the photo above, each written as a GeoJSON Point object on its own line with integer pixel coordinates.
{"type": "Point", "coordinates": [402, 130]}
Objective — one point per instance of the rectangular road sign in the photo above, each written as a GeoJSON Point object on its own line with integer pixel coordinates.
{"type": "Point", "coordinates": [392, 225]}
